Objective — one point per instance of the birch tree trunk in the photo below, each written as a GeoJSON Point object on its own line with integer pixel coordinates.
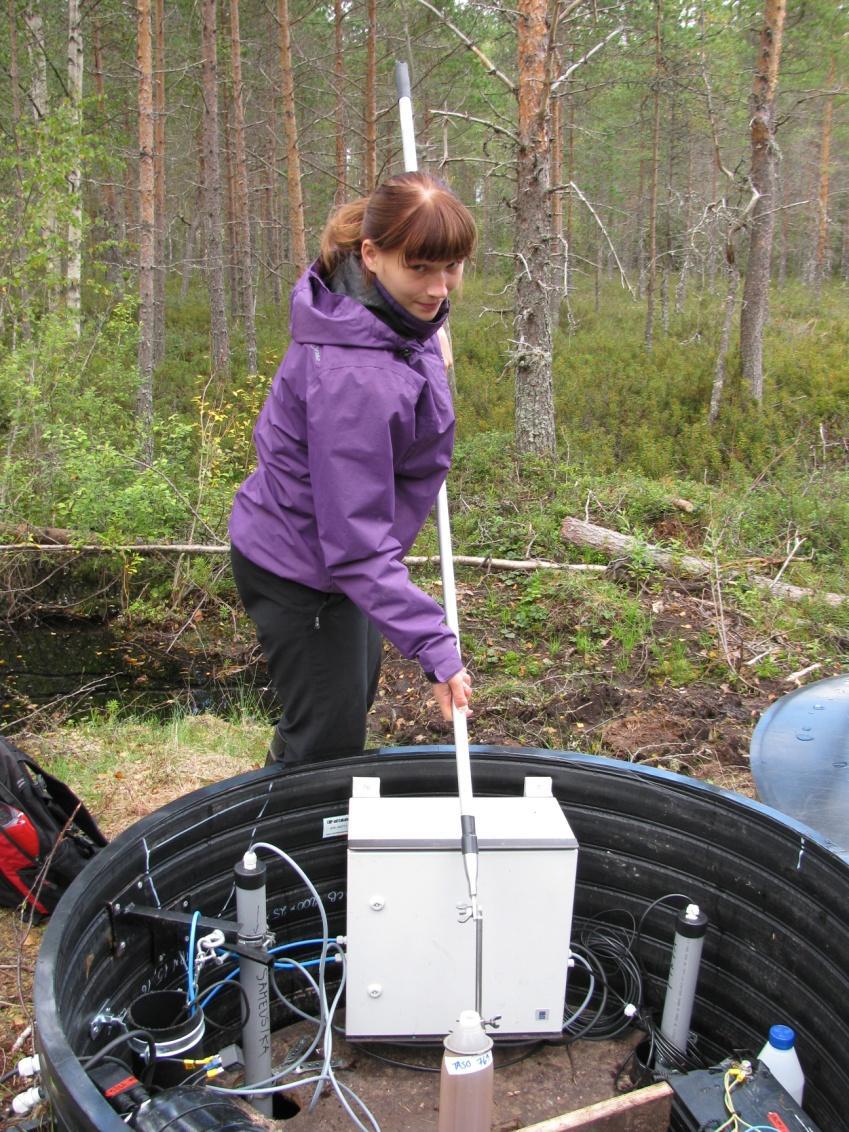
{"type": "Point", "coordinates": [534, 424]}
{"type": "Point", "coordinates": [159, 181]}
{"type": "Point", "coordinates": [298, 237]}
{"type": "Point", "coordinates": [144, 62]}
{"type": "Point", "coordinates": [111, 226]}
{"type": "Point", "coordinates": [38, 100]}
{"type": "Point", "coordinates": [764, 167]}
{"type": "Point", "coordinates": [212, 192]}
{"type": "Point", "coordinates": [22, 295]}
{"type": "Point", "coordinates": [75, 223]}
{"type": "Point", "coordinates": [246, 288]}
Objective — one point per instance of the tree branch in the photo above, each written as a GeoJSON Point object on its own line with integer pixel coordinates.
{"type": "Point", "coordinates": [570, 70]}
{"type": "Point", "coordinates": [479, 121]}
{"type": "Point", "coordinates": [572, 187]}
{"type": "Point", "coordinates": [489, 66]}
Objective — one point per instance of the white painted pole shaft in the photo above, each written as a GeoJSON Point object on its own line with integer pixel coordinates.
{"type": "Point", "coordinates": [446, 557]}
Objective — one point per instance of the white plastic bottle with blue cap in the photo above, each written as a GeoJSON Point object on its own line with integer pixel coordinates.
{"type": "Point", "coordinates": [779, 1055]}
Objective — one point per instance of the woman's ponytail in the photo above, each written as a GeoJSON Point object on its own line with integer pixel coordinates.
{"type": "Point", "coordinates": [343, 233]}
{"type": "Point", "coordinates": [412, 213]}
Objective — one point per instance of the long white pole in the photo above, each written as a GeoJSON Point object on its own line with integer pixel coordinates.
{"type": "Point", "coordinates": [469, 841]}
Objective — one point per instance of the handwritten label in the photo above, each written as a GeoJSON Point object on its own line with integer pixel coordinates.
{"type": "Point", "coordinates": [458, 1065]}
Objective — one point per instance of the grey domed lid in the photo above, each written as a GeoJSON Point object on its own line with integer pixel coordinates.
{"type": "Point", "coordinates": [800, 757]}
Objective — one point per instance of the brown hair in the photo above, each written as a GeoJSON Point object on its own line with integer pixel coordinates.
{"type": "Point", "coordinates": [413, 213]}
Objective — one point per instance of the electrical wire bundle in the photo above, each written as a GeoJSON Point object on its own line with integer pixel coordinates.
{"type": "Point", "coordinates": [607, 991]}
{"type": "Point", "coordinates": [325, 1074]}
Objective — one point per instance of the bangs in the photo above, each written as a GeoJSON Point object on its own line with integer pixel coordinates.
{"type": "Point", "coordinates": [437, 230]}
{"type": "Point", "coordinates": [420, 217]}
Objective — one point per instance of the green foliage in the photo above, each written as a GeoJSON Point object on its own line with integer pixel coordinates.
{"type": "Point", "coordinates": [100, 488]}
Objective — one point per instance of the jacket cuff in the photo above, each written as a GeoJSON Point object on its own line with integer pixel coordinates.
{"type": "Point", "coordinates": [442, 661]}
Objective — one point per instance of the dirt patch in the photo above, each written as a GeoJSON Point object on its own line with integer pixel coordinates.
{"type": "Point", "coordinates": [532, 1084]}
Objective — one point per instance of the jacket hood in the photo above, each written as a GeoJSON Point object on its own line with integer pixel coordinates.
{"type": "Point", "coordinates": [323, 317]}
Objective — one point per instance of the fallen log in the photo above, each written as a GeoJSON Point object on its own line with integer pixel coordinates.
{"type": "Point", "coordinates": [189, 548]}
{"type": "Point", "coordinates": [579, 532]}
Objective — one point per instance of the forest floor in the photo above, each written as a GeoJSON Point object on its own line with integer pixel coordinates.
{"type": "Point", "coordinates": [683, 696]}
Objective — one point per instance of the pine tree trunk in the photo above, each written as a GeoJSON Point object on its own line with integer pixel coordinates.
{"type": "Point", "coordinates": [73, 279]}
{"type": "Point", "coordinates": [274, 249]}
{"type": "Point", "coordinates": [534, 424]}
{"type": "Point", "coordinates": [189, 250]}
{"type": "Point", "coordinates": [246, 288]}
{"type": "Point", "coordinates": [212, 192]}
{"type": "Point", "coordinates": [559, 250]}
{"type": "Point", "coordinates": [822, 265]}
{"type": "Point", "coordinates": [144, 61]}
{"type": "Point", "coordinates": [570, 177]}
{"type": "Point", "coordinates": [733, 277]}
{"type": "Point", "coordinates": [783, 232]}
{"type": "Point", "coordinates": [159, 180]}
{"type": "Point", "coordinates": [651, 273]}
{"type": "Point", "coordinates": [297, 231]}
{"type": "Point", "coordinates": [754, 312]}
{"type": "Point", "coordinates": [370, 109]}
{"type": "Point", "coordinates": [341, 194]}
{"type": "Point", "coordinates": [231, 232]}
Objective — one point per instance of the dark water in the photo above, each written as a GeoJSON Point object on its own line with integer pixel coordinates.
{"type": "Point", "coordinates": [69, 668]}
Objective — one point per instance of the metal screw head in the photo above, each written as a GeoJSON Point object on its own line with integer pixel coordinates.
{"type": "Point", "coordinates": [375, 990]}
{"type": "Point", "coordinates": [377, 903]}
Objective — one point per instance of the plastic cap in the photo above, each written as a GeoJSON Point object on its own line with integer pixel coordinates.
{"type": "Point", "coordinates": [249, 860]}
{"type": "Point", "coordinates": [782, 1037]}
{"type": "Point", "coordinates": [468, 1035]}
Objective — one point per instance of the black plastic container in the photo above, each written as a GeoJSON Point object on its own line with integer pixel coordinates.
{"type": "Point", "coordinates": [776, 895]}
{"type": "Point", "coordinates": [177, 1034]}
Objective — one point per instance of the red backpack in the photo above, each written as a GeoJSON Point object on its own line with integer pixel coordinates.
{"type": "Point", "coordinates": [47, 836]}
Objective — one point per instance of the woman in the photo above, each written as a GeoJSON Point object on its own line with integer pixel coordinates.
{"type": "Point", "coordinates": [353, 444]}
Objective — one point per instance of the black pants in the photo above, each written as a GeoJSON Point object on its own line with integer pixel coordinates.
{"type": "Point", "coordinates": [323, 656]}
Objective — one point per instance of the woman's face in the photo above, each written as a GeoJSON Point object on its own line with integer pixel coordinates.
{"type": "Point", "coordinates": [419, 286]}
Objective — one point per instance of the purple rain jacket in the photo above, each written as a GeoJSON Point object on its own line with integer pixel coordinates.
{"type": "Point", "coordinates": [353, 445]}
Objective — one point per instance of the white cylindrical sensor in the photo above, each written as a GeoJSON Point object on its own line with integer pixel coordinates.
{"type": "Point", "coordinates": [690, 929]}
{"type": "Point", "coordinates": [253, 976]}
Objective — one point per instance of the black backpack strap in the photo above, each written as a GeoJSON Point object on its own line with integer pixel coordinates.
{"type": "Point", "coordinates": [62, 796]}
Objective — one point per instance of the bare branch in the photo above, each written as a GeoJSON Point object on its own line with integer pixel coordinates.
{"type": "Point", "coordinates": [572, 187]}
{"type": "Point", "coordinates": [570, 70]}
{"type": "Point", "coordinates": [480, 121]}
{"type": "Point", "coordinates": [489, 66]}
